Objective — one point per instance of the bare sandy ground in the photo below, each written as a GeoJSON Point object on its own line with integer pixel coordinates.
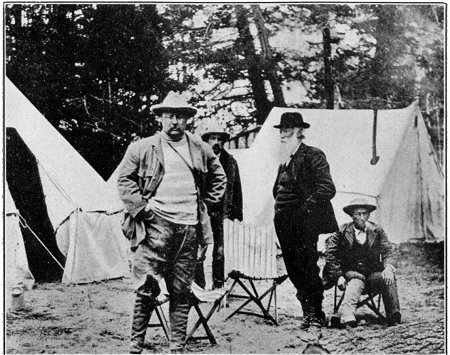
{"type": "Point", "coordinates": [95, 318]}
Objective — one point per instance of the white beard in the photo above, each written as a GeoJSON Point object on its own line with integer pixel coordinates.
{"type": "Point", "coordinates": [287, 147]}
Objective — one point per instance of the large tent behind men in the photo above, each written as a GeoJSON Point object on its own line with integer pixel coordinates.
{"type": "Point", "coordinates": [62, 198]}
{"type": "Point", "coordinates": [406, 183]}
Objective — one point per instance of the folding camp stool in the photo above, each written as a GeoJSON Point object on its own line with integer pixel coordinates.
{"type": "Point", "coordinates": [198, 296]}
{"type": "Point", "coordinates": [371, 300]}
{"type": "Point", "coordinates": [252, 295]}
{"type": "Point", "coordinates": [251, 255]}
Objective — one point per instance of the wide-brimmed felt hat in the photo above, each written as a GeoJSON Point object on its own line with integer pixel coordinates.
{"type": "Point", "coordinates": [292, 119]}
{"type": "Point", "coordinates": [359, 203]}
{"type": "Point", "coordinates": [214, 128]}
{"type": "Point", "coordinates": [174, 103]}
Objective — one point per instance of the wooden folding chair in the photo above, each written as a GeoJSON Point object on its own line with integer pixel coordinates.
{"type": "Point", "coordinates": [251, 255]}
{"type": "Point", "coordinates": [198, 296]}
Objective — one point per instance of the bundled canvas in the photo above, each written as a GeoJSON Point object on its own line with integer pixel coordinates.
{"type": "Point", "coordinates": [62, 198]}
{"type": "Point", "coordinates": [19, 277]}
{"type": "Point", "coordinates": [406, 183]}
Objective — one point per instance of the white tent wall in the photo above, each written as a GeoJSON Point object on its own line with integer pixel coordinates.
{"type": "Point", "coordinates": [89, 240]}
{"type": "Point", "coordinates": [83, 211]}
{"type": "Point", "coordinates": [405, 183]}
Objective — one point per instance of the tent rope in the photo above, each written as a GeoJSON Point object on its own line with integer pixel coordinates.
{"type": "Point", "coordinates": [24, 224]}
{"type": "Point", "coordinates": [55, 182]}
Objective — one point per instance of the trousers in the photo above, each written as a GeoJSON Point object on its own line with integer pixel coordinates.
{"type": "Point", "coordinates": [374, 282]}
{"type": "Point", "coordinates": [168, 251]}
{"type": "Point", "coordinates": [299, 247]}
{"type": "Point", "coordinates": [218, 256]}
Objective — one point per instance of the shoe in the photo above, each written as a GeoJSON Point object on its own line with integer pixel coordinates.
{"type": "Point", "coordinates": [136, 347]}
{"type": "Point", "coordinates": [217, 285]}
{"type": "Point", "coordinates": [335, 321]}
{"type": "Point", "coordinates": [350, 324]}
{"type": "Point", "coordinates": [306, 321]}
{"type": "Point", "coordinates": [318, 320]}
{"type": "Point", "coordinates": [395, 319]}
{"type": "Point", "coordinates": [176, 349]}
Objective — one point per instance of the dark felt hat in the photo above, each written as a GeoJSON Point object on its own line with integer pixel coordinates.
{"type": "Point", "coordinates": [292, 119]}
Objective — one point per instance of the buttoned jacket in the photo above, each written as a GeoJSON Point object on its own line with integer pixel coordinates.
{"type": "Point", "coordinates": [309, 172]}
{"type": "Point", "coordinates": [231, 204]}
{"type": "Point", "coordinates": [142, 170]}
{"type": "Point", "coordinates": [340, 257]}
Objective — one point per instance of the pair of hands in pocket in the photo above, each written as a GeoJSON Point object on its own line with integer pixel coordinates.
{"type": "Point", "coordinates": [201, 253]}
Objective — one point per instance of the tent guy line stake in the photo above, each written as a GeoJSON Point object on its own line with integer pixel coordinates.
{"type": "Point", "coordinates": [24, 224]}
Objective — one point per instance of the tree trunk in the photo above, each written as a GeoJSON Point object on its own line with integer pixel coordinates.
{"type": "Point", "coordinates": [328, 79]}
{"type": "Point", "coordinates": [268, 60]}
{"type": "Point", "coordinates": [383, 35]}
{"type": "Point", "coordinates": [245, 43]}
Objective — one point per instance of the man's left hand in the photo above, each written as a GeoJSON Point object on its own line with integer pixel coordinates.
{"type": "Point", "coordinates": [201, 254]}
{"type": "Point", "coordinates": [388, 275]}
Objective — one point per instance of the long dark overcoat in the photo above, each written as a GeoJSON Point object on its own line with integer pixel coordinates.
{"type": "Point", "coordinates": [310, 172]}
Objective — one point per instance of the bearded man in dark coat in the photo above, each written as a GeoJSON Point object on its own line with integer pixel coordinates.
{"type": "Point", "coordinates": [302, 191]}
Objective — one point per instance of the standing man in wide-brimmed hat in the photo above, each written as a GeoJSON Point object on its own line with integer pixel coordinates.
{"type": "Point", "coordinates": [165, 181]}
{"type": "Point", "coordinates": [230, 206]}
{"type": "Point", "coordinates": [302, 191]}
{"type": "Point", "coordinates": [360, 257]}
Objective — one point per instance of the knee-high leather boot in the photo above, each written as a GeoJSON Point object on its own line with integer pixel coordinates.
{"type": "Point", "coordinates": [178, 314]}
{"type": "Point", "coordinates": [143, 308]}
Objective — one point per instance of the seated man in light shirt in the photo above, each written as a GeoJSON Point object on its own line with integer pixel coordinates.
{"type": "Point", "coordinates": [360, 257]}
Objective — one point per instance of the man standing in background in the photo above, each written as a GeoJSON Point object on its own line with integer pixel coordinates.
{"type": "Point", "coordinates": [230, 206]}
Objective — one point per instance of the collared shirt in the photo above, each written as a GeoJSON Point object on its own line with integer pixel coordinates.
{"type": "Point", "coordinates": [292, 154]}
{"type": "Point", "coordinates": [361, 235]}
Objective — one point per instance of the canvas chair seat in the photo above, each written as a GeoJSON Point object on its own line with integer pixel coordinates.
{"type": "Point", "coordinates": [251, 255]}
{"type": "Point", "coordinates": [198, 296]}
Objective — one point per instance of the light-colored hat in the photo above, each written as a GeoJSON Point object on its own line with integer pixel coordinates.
{"type": "Point", "coordinates": [214, 128]}
{"type": "Point", "coordinates": [358, 203]}
{"type": "Point", "coordinates": [174, 103]}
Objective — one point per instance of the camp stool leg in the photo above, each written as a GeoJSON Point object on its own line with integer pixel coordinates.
{"type": "Point", "coordinates": [255, 298]}
{"type": "Point", "coordinates": [202, 320]}
{"type": "Point", "coordinates": [162, 319]}
{"type": "Point", "coordinates": [376, 309]}
{"type": "Point", "coordinates": [198, 296]}
{"type": "Point", "coordinates": [273, 295]}
{"type": "Point", "coordinates": [272, 291]}
{"type": "Point", "coordinates": [335, 318]}
{"type": "Point", "coordinates": [248, 298]}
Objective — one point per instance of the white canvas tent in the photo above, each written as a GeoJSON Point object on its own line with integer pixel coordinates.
{"type": "Point", "coordinates": [81, 209]}
{"type": "Point", "coordinates": [406, 183]}
{"type": "Point", "coordinates": [19, 276]}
